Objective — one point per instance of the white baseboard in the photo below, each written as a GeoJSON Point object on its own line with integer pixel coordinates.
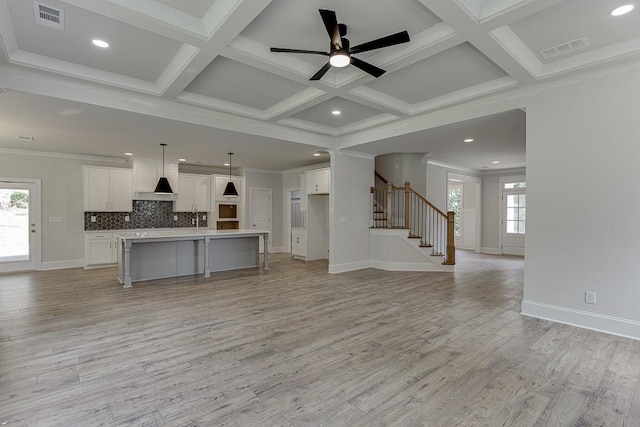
{"type": "Point", "coordinates": [348, 266]}
{"type": "Point", "coordinates": [59, 265]}
{"type": "Point", "coordinates": [410, 266]}
{"type": "Point", "coordinates": [277, 249]}
{"type": "Point", "coordinates": [583, 319]}
{"type": "Point", "coordinates": [491, 251]}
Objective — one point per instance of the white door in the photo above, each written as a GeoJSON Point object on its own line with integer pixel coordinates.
{"type": "Point", "coordinates": [19, 224]}
{"type": "Point", "coordinates": [514, 208]}
{"type": "Point", "coordinates": [261, 212]}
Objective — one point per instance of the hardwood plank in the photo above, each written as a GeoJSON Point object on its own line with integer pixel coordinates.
{"type": "Point", "coordinates": [296, 346]}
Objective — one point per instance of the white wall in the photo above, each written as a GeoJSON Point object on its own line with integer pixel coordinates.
{"type": "Point", "coordinates": [272, 180]}
{"type": "Point", "coordinates": [399, 168]}
{"type": "Point", "coordinates": [490, 242]}
{"type": "Point", "coordinates": [62, 243]}
{"type": "Point", "coordinates": [349, 212]}
{"type": "Point", "coordinates": [583, 156]}
{"type": "Point", "coordinates": [436, 191]}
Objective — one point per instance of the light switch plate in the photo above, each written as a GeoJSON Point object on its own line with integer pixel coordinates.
{"type": "Point", "coordinates": [55, 219]}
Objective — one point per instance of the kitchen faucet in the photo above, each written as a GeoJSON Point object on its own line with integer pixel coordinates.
{"type": "Point", "coordinates": [195, 210]}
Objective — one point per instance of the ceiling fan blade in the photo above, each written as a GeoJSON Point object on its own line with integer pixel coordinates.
{"type": "Point", "coordinates": [331, 24]}
{"type": "Point", "coordinates": [393, 39]}
{"type": "Point", "coordinates": [321, 72]}
{"type": "Point", "coordinates": [280, 49]}
{"type": "Point", "coordinates": [367, 68]}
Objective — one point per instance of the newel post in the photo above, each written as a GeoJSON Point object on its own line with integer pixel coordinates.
{"type": "Point", "coordinates": [407, 193]}
{"type": "Point", "coordinates": [451, 248]}
{"type": "Point", "coordinates": [390, 212]}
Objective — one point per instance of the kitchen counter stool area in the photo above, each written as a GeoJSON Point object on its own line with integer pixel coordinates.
{"type": "Point", "coordinates": [161, 254]}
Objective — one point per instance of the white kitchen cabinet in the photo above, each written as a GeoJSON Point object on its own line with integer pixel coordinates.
{"type": "Point", "coordinates": [193, 193]}
{"type": "Point", "coordinates": [318, 181]}
{"type": "Point", "coordinates": [107, 189]}
{"type": "Point", "coordinates": [100, 248]}
{"type": "Point", "coordinates": [299, 243]}
{"type": "Point", "coordinates": [220, 182]}
{"type": "Point", "coordinates": [147, 172]}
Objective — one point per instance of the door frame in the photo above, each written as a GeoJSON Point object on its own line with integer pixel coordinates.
{"type": "Point", "coordinates": [504, 180]}
{"type": "Point", "coordinates": [287, 218]}
{"type": "Point", "coordinates": [477, 182]}
{"type": "Point", "coordinates": [270, 209]}
{"type": "Point", "coordinates": [35, 217]}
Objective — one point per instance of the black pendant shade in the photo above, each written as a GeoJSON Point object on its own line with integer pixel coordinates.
{"type": "Point", "coordinates": [163, 186]}
{"type": "Point", "coordinates": [230, 189]}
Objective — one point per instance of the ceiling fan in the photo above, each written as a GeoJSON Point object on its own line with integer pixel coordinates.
{"type": "Point", "coordinates": [340, 51]}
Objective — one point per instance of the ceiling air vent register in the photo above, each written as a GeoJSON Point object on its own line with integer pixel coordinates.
{"type": "Point", "coordinates": [564, 48]}
{"type": "Point", "coordinates": [49, 16]}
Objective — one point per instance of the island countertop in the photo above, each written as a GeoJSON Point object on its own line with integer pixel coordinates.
{"type": "Point", "coordinates": [154, 254]}
{"type": "Point", "coordinates": [188, 234]}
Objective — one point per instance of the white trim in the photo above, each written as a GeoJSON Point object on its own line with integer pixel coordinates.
{"type": "Point", "coordinates": [35, 216]}
{"type": "Point", "coordinates": [490, 251]}
{"type": "Point", "coordinates": [69, 263]}
{"type": "Point", "coordinates": [501, 190]}
{"type": "Point", "coordinates": [277, 250]}
{"type": "Point", "coordinates": [450, 166]}
{"type": "Point", "coordinates": [62, 155]}
{"type": "Point", "coordinates": [349, 266]}
{"type": "Point", "coordinates": [351, 153]}
{"type": "Point", "coordinates": [583, 319]}
{"type": "Point", "coordinates": [411, 266]}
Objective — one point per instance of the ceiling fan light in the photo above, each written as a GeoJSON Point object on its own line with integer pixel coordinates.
{"type": "Point", "coordinates": [339, 59]}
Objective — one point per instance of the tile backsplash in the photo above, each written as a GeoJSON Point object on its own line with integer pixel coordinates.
{"type": "Point", "coordinates": [145, 214]}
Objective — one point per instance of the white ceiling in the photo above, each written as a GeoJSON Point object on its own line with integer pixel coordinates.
{"type": "Point", "coordinates": [199, 76]}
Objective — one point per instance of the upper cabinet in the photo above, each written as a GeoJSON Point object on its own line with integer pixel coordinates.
{"type": "Point", "coordinates": [147, 172]}
{"type": "Point", "coordinates": [107, 189]}
{"type": "Point", "coordinates": [318, 181]}
{"type": "Point", "coordinates": [220, 182]}
{"type": "Point", "coordinates": [193, 193]}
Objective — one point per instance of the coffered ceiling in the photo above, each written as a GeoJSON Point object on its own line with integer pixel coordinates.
{"type": "Point", "coordinates": [199, 76]}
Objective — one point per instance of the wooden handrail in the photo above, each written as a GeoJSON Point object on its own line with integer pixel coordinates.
{"type": "Point", "coordinates": [381, 177]}
{"type": "Point", "coordinates": [418, 195]}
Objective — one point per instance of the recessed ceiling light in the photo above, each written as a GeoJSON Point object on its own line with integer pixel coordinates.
{"type": "Point", "coordinates": [316, 154]}
{"type": "Point", "coordinates": [100, 43]}
{"type": "Point", "coordinates": [336, 112]}
{"type": "Point", "coordinates": [495, 162]}
{"type": "Point", "coordinates": [469, 140]}
{"type": "Point", "coordinates": [226, 164]}
{"type": "Point", "coordinates": [182, 160]}
{"type": "Point", "coordinates": [128, 154]}
{"type": "Point", "coordinates": [622, 10]}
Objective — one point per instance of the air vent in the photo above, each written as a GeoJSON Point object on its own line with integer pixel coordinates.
{"type": "Point", "coordinates": [26, 138]}
{"type": "Point", "coordinates": [564, 48]}
{"type": "Point", "coordinates": [49, 16]}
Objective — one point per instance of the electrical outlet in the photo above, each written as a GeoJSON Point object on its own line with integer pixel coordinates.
{"type": "Point", "coordinates": [590, 297]}
{"type": "Point", "coordinates": [126, 218]}
{"type": "Point", "coordinates": [175, 217]}
{"type": "Point", "coordinates": [204, 217]}
{"type": "Point", "coordinates": [94, 218]}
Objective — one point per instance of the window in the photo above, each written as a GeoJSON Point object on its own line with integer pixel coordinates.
{"type": "Point", "coordinates": [516, 213]}
{"type": "Point", "coordinates": [455, 205]}
{"type": "Point", "coordinates": [515, 185]}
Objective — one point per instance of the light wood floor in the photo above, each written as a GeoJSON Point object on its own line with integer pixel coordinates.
{"type": "Point", "coordinates": [295, 346]}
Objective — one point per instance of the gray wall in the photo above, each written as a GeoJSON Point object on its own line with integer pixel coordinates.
{"type": "Point", "coordinates": [61, 179]}
{"type": "Point", "coordinates": [272, 180]}
{"type": "Point", "coordinates": [399, 168]}
{"type": "Point", "coordinates": [490, 241]}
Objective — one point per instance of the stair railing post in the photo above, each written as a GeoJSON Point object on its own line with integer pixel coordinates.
{"type": "Point", "coordinates": [407, 194]}
{"type": "Point", "coordinates": [451, 248]}
{"type": "Point", "coordinates": [390, 205]}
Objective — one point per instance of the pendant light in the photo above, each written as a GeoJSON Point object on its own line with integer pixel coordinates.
{"type": "Point", "coordinates": [163, 186]}
{"type": "Point", "coordinates": [230, 189]}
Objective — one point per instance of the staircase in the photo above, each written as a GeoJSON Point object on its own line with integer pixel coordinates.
{"type": "Point", "coordinates": [426, 225]}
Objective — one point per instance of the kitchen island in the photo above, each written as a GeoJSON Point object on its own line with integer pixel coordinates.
{"type": "Point", "coordinates": [151, 255]}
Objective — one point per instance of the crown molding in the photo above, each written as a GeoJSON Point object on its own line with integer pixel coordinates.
{"type": "Point", "coordinates": [20, 152]}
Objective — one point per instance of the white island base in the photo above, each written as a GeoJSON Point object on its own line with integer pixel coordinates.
{"type": "Point", "coordinates": [161, 254]}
